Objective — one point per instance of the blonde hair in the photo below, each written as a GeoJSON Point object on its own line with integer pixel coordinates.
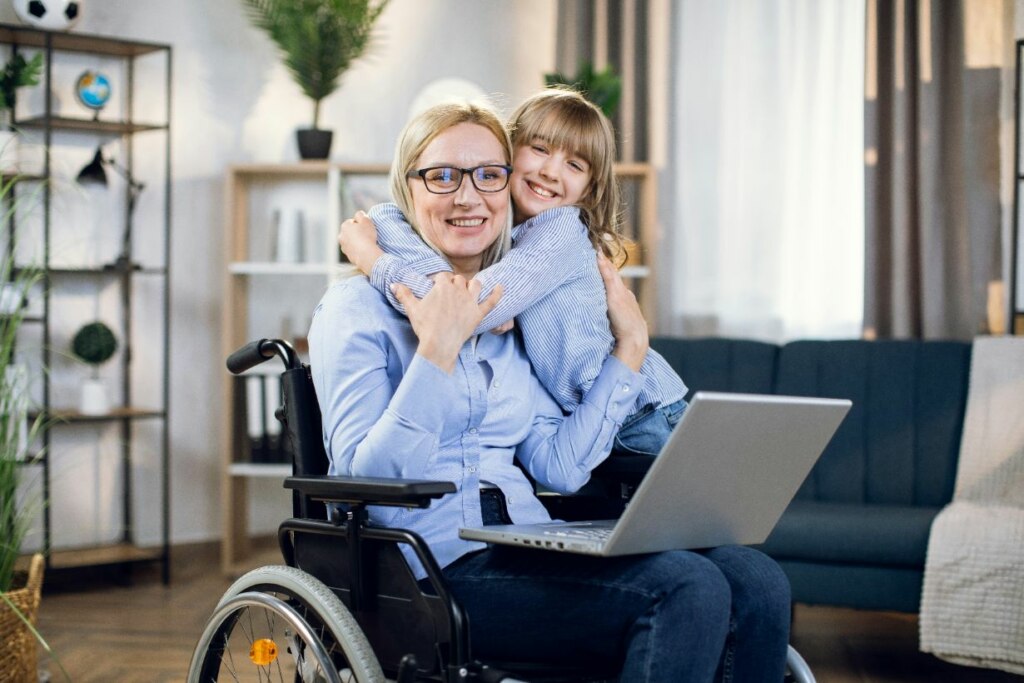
{"type": "Point", "coordinates": [418, 133]}
{"type": "Point", "coordinates": [564, 119]}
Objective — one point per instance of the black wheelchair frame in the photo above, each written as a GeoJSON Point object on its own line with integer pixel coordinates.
{"type": "Point", "coordinates": [415, 635]}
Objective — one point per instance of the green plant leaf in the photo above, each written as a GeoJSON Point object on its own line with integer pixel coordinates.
{"type": "Point", "coordinates": [318, 39]}
{"type": "Point", "coordinates": [94, 343]}
{"type": "Point", "coordinates": [16, 73]}
{"type": "Point", "coordinates": [603, 88]}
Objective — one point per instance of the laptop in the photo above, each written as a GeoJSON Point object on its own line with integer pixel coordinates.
{"type": "Point", "coordinates": [725, 476]}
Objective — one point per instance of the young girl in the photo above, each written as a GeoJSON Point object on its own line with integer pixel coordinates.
{"type": "Point", "coordinates": [566, 205]}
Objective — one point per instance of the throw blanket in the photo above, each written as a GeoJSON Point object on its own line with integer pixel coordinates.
{"type": "Point", "coordinates": [972, 604]}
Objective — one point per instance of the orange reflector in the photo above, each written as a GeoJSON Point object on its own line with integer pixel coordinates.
{"type": "Point", "coordinates": [263, 652]}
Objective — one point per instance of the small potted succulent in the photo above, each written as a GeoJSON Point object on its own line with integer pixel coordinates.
{"type": "Point", "coordinates": [94, 344]}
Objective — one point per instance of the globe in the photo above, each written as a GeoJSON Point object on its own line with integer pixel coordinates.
{"type": "Point", "coordinates": [92, 89]}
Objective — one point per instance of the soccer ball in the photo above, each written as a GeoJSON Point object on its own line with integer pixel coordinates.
{"type": "Point", "coordinates": [52, 15]}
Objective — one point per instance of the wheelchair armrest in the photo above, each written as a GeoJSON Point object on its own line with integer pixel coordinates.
{"type": "Point", "coordinates": [371, 490]}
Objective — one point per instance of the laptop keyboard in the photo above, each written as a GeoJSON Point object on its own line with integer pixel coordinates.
{"type": "Point", "coordinates": [599, 534]}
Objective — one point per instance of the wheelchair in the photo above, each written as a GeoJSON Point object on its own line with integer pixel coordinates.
{"type": "Point", "coordinates": [347, 608]}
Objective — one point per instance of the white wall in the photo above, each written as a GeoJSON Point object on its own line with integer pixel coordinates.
{"type": "Point", "coordinates": [233, 102]}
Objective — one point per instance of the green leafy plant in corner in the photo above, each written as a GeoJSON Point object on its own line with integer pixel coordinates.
{"type": "Point", "coordinates": [94, 344]}
{"type": "Point", "coordinates": [16, 432]}
{"type": "Point", "coordinates": [318, 39]}
{"type": "Point", "coordinates": [16, 73]}
{"type": "Point", "coordinates": [603, 88]}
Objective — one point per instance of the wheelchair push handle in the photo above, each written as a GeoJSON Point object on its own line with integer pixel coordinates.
{"type": "Point", "coordinates": [255, 352]}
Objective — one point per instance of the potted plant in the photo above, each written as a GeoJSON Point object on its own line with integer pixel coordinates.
{"type": "Point", "coordinates": [603, 88]}
{"type": "Point", "coordinates": [16, 73]}
{"type": "Point", "coordinates": [318, 41]}
{"type": "Point", "coordinates": [19, 591]}
{"type": "Point", "coordinates": [94, 344]}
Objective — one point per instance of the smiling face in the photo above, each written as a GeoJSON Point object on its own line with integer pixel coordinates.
{"type": "Point", "coordinates": [464, 223]}
{"type": "Point", "coordinates": [546, 177]}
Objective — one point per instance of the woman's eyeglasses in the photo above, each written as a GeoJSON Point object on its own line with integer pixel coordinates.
{"type": "Point", "coordinates": [448, 179]}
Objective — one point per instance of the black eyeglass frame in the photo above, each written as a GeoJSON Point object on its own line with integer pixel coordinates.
{"type": "Point", "coordinates": [422, 174]}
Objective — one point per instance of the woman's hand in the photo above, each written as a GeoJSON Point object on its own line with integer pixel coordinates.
{"type": "Point", "coordinates": [446, 317]}
{"type": "Point", "coordinates": [357, 238]}
{"type": "Point", "coordinates": [627, 320]}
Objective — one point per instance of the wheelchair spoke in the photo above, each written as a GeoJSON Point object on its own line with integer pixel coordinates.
{"type": "Point", "coordinates": [280, 624]}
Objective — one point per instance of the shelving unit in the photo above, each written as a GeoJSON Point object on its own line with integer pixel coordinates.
{"type": "Point", "coordinates": [247, 264]}
{"type": "Point", "coordinates": [63, 49]}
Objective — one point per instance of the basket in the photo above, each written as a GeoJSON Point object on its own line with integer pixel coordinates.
{"type": "Point", "coordinates": [17, 644]}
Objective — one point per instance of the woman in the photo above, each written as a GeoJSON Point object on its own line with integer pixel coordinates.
{"type": "Point", "coordinates": [422, 398]}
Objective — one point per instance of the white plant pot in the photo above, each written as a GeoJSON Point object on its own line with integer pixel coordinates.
{"type": "Point", "coordinates": [94, 398]}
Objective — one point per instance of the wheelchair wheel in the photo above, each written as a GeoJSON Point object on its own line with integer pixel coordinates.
{"type": "Point", "coordinates": [797, 669]}
{"type": "Point", "coordinates": [281, 624]}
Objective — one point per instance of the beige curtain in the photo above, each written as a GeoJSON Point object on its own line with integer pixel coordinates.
{"type": "Point", "coordinates": [931, 166]}
{"type": "Point", "coordinates": [615, 33]}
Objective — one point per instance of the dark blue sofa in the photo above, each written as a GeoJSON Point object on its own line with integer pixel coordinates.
{"type": "Point", "coordinates": [857, 532]}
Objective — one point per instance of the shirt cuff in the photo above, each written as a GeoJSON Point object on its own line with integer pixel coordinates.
{"type": "Point", "coordinates": [424, 396]}
{"type": "Point", "coordinates": [615, 390]}
{"type": "Point", "coordinates": [384, 268]}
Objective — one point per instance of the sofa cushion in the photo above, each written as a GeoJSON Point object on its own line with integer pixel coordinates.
{"type": "Point", "coordinates": [895, 535]}
{"type": "Point", "coordinates": [714, 364]}
{"type": "Point", "coordinates": [899, 443]}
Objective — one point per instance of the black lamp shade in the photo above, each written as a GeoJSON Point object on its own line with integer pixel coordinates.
{"type": "Point", "coordinates": [93, 171]}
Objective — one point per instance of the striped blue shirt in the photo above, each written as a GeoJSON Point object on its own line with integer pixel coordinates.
{"type": "Point", "coordinates": [388, 412]}
{"type": "Point", "coordinates": [553, 289]}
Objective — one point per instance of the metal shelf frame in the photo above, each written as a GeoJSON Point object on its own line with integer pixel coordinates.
{"type": "Point", "coordinates": [53, 45]}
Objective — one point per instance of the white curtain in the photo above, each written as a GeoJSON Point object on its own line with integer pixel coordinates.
{"type": "Point", "coordinates": [765, 220]}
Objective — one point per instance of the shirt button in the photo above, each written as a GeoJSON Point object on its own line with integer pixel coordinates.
{"type": "Point", "coordinates": [625, 389]}
{"type": "Point", "coordinates": [472, 430]}
{"type": "Point", "coordinates": [496, 384]}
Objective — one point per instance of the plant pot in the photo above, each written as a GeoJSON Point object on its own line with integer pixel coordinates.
{"type": "Point", "coordinates": [17, 643]}
{"type": "Point", "coordinates": [94, 398]}
{"type": "Point", "coordinates": [314, 143]}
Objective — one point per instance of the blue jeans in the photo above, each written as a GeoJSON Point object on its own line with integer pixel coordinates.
{"type": "Point", "coordinates": [677, 616]}
{"type": "Point", "coordinates": [647, 431]}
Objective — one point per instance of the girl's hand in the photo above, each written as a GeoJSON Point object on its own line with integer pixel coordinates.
{"type": "Point", "coordinates": [357, 238]}
{"type": "Point", "coordinates": [446, 317]}
{"type": "Point", "coordinates": [627, 321]}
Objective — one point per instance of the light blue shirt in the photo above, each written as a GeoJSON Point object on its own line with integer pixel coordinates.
{"type": "Point", "coordinates": [552, 287]}
{"type": "Point", "coordinates": [388, 412]}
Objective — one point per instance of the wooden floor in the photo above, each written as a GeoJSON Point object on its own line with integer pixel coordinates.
{"type": "Point", "coordinates": [144, 632]}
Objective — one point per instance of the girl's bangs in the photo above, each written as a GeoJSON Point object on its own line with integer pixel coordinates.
{"type": "Point", "coordinates": [568, 128]}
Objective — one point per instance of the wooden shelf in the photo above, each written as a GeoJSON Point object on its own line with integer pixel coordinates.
{"type": "Point", "coordinates": [635, 271]}
{"type": "Point", "coordinates": [23, 36]}
{"type": "Point", "coordinates": [105, 270]}
{"type": "Point", "coordinates": [304, 169]}
{"type": "Point", "coordinates": [119, 553]}
{"type": "Point", "coordinates": [256, 470]}
{"type": "Point", "coordinates": [274, 268]}
{"type": "Point", "coordinates": [68, 416]}
{"type": "Point", "coordinates": [88, 125]}
{"type": "Point", "coordinates": [21, 177]}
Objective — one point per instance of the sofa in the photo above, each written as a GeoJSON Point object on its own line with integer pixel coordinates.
{"type": "Point", "coordinates": [856, 533]}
